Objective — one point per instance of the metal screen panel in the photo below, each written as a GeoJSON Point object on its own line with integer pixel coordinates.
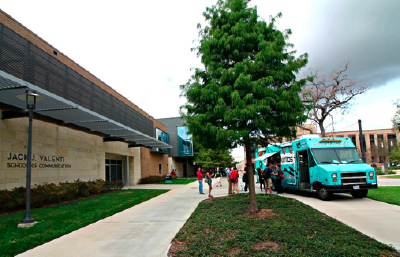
{"type": "Point", "coordinates": [26, 61]}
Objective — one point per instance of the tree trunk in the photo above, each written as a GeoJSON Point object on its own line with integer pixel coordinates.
{"type": "Point", "coordinates": [250, 172]}
{"type": "Point", "coordinates": [321, 127]}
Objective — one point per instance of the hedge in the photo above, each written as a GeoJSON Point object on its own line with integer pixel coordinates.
{"type": "Point", "coordinates": [50, 193]}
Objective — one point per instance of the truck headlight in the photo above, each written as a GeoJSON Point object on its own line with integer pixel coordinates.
{"type": "Point", "coordinates": [334, 175]}
{"type": "Point", "coordinates": [371, 174]}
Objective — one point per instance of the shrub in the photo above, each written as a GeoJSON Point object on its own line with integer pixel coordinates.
{"type": "Point", "coordinates": [51, 193]}
{"type": "Point", "coordinates": [69, 190]}
{"type": "Point", "coordinates": [113, 185]}
{"type": "Point", "coordinates": [95, 187]}
{"type": "Point", "coordinates": [378, 171]}
{"type": "Point", "coordinates": [83, 187]}
{"type": "Point", "coordinates": [38, 196]}
{"type": "Point", "coordinates": [6, 201]}
{"type": "Point", "coordinates": [152, 179]}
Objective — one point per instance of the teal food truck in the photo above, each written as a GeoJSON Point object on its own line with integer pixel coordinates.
{"type": "Point", "coordinates": [324, 165]}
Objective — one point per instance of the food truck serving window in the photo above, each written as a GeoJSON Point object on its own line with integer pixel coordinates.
{"type": "Point", "coordinates": [336, 155]}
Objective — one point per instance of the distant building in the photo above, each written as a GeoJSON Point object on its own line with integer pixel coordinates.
{"type": "Point", "coordinates": [181, 156]}
{"type": "Point", "coordinates": [383, 140]}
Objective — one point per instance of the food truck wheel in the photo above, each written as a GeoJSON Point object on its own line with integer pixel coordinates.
{"type": "Point", "coordinates": [323, 193]}
{"type": "Point", "coordinates": [359, 193]}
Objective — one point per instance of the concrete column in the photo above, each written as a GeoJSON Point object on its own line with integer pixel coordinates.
{"type": "Point", "coordinates": [368, 150]}
{"type": "Point", "coordinates": [126, 170]}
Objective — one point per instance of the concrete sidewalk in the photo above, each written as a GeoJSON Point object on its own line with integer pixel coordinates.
{"type": "Point", "coordinates": [142, 230]}
{"type": "Point", "coordinates": [147, 229]}
{"type": "Point", "coordinates": [375, 219]}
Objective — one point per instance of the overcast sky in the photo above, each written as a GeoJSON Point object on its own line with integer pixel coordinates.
{"type": "Point", "coordinates": [142, 48]}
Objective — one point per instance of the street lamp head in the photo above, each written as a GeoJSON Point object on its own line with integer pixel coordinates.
{"type": "Point", "coordinates": [31, 97]}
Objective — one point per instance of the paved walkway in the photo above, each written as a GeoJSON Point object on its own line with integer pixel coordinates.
{"type": "Point", "coordinates": [143, 230]}
{"type": "Point", "coordinates": [376, 219]}
{"type": "Point", "coordinates": [148, 228]}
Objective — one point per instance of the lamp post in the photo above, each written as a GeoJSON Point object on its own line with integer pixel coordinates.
{"type": "Point", "coordinates": [30, 97]}
{"type": "Point", "coordinates": [187, 163]}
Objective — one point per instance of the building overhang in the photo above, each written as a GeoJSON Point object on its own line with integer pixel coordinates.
{"type": "Point", "coordinates": [71, 114]}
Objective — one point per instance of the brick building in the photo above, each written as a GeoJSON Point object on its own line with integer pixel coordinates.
{"type": "Point", "coordinates": [375, 142]}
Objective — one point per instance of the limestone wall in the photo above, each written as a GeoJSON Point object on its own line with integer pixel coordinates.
{"type": "Point", "coordinates": [59, 154]}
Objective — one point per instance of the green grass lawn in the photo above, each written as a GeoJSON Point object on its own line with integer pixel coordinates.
{"type": "Point", "coordinates": [394, 176]}
{"type": "Point", "coordinates": [283, 227]}
{"type": "Point", "coordinates": [59, 220]}
{"type": "Point", "coordinates": [386, 194]}
{"type": "Point", "coordinates": [180, 181]}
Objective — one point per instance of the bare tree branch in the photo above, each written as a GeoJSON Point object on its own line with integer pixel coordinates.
{"type": "Point", "coordinates": [326, 94]}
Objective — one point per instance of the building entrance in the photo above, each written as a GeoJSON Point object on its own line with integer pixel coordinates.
{"type": "Point", "coordinates": [113, 170]}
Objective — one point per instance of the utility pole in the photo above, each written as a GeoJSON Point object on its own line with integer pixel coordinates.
{"type": "Point", "coordinates": [361, 142]}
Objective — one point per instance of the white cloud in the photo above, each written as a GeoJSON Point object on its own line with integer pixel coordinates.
{"type": "Point", "coordinates": [136, 46]}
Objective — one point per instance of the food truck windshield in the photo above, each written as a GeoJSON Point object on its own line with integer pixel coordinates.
{"type": "Point", "coordinates": [336, 155]}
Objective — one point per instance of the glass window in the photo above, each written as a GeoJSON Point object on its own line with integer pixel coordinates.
{"type": "Point", "coordinates": [353, 139]}
{"type": "Point", "coordinates": [163, 137]}
{"type": "Point", "coordinates": [336, 155]}
{"type": "Point", "coordinates": [380, 141]}
{"type": "Point", "coordinates": [392, 141]}
{"type": "Point", "coordinates": [372, 139]}
{"type": "Point", "coordinates": [113, 170]}
{"type": "Point", "coordinates": [185, 144]}
{"type": "Point", "coordinates": [311, 159]}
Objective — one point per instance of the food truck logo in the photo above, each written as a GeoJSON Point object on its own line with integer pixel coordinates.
{"type": "Point", "coordinates": [330, 140]}
{"type": "Point", "coordinates": [287, 158]}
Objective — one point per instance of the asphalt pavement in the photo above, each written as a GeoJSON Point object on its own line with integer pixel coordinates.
{"type": "Point", "coordinates": [147, 229]}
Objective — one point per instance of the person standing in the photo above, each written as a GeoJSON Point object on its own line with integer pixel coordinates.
{"type": "Point", "coordinates": [268, 178]}
{"type": "Point", "coordinates": [245, 178]}
{"type": "Point", "coordinates": [209, 176]}
{"type": "Point", "coordinates": [200, 179]}
{"type": "Point", "coordinates": [228, 173]}
{"type": "Point", "coordinates": [261, 178]}
{"type": "Point", "coordinates": [278, 179]}
{"type": "Point", "coordinates": [218, 175]}
{"type": "Point", "coordinates": [235, 180]}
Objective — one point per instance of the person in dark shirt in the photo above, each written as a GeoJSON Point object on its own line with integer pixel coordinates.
{"type": "Point", "coordinates": [245, 178]}
{"type": "Point", "coordinates": [261, 178]}
{"type": "Point", "coordinates": [268, 178]}
{"type": "Point", "coordinates": [209, 176]}
{"type": "Point", "coordinates": [278, 181]}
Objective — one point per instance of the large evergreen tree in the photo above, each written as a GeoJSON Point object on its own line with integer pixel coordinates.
{"type": "Point", "coordinates": [247, 93]}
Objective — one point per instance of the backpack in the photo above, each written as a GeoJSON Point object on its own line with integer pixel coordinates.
{"type": "Point", "coordinates": [281, 175]}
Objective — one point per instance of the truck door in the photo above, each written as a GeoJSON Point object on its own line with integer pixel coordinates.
{"type": "Point", "coordinates": [303, 169]}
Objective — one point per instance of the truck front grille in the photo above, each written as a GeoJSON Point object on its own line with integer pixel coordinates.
{"type": "Point", "coordinates": [354, 178]}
